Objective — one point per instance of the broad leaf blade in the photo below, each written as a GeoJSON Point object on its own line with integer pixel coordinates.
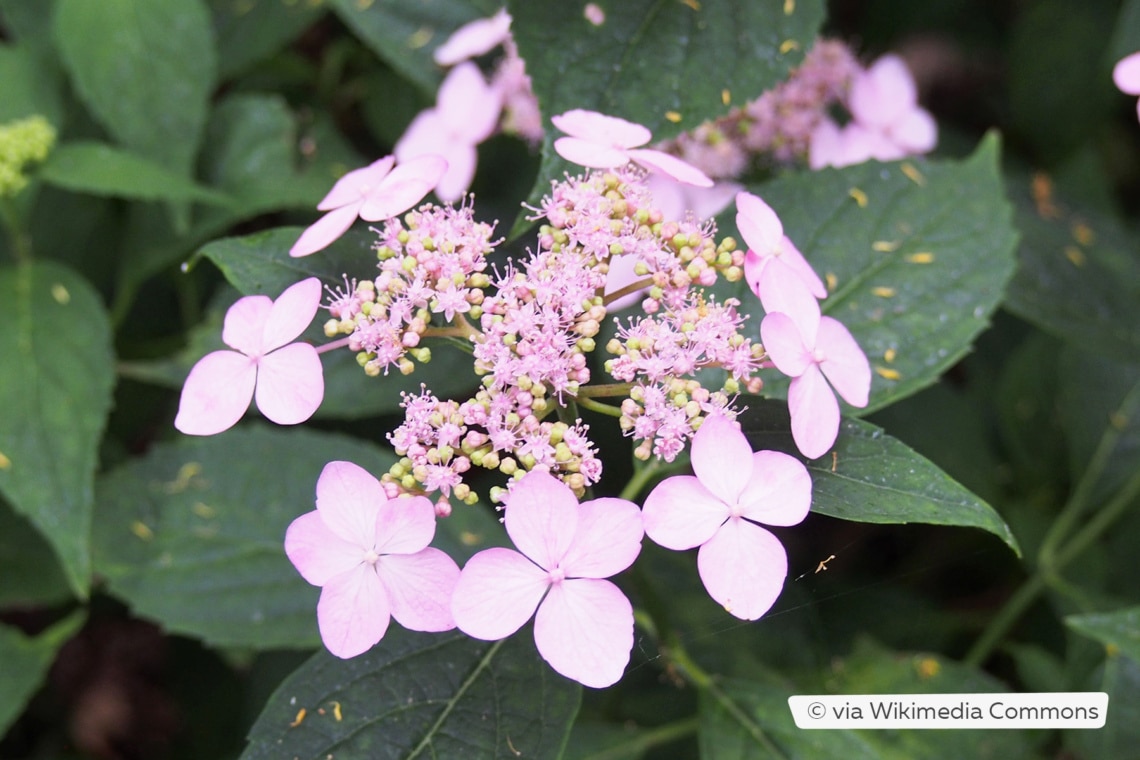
{"type": "Point", "coordinates": [1079, 277]}
{"type": "Point", "coordinates": [30, 574]}
{"type": "Point", "coordinates": [249, 32]}
{"type": "Point", "coordinates": [666, 64]}
{"type": "Point", "coordinates": [145, 69]}
{"type": "Point", "coordinates": [90, 167]}
{"type": "Point", "coordinates": [872, 477]}
{"type": "Point", "coordinates": [55, 389]}
{"type": "Point", "coordinates": [916, 256]}
{"type": "Point", "coordinates": [1119, 628]}
{"type": "Point", "coordinates": [26, 662]}
{"type": "Point", "coordinates": [419, 695]}
{"type": "Point", "coordinates": [192, 535]}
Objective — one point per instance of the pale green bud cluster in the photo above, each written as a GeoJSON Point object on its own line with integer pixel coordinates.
{"type": "Point", "coordinates": [22, 142]}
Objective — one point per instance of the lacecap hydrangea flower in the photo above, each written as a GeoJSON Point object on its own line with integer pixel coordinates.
{"type": "Point", "coordinates": [721, 509]}
{"type": "Point", "coordinates": [583, 624]}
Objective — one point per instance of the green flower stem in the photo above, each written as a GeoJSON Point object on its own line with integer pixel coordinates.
{"type": "Point", "coordinates": [631, 288]}
{"type": "Point", "coordinates": [21, 241]}
{"type": "Point", "coordinates": [648, 739]}
{"type": "Point", "coordinates": [605, 390]}
{"type": "Point", "coordinates": [641, 476]}
{"type": "Point", "coordinates": [1077, 505]}
{"type": "Point", "coordinates": [1047, 574]}
{"type": "Point", "coordinates": [594, 406]}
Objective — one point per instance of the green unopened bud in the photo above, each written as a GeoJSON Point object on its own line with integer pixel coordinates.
{"type": "Point", "coordinates": [508, 466]}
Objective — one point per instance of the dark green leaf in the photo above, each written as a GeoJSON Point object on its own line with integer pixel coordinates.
{"type": "Point", "coordinates": [1126, 39]}
{"type": "Point", "coordinates": [916, 256]}
{"type": "Point", "coordinates": [26, 662]}
{"type": "Point", "coordinates": [1119, 629]}
{"type": "Point", "coordinates": [32, 83]}
{"type": "Point", "coordinates": [872, 477]}
{"type": "Point", "coordinates": [191, 535]}
{"type": "Point", "coordinates": [1119, 677]}
{"type": "Point", "coordinates": [763, 708]}
{"type": "Point", "coordinates": [55, 389]}
{"type": "Point", "coordinates": [145, 69]}
{"type": "Point", "coordinates": [404, 35]}
{"type": "Point", "coordinates": [662, 63]}
{"type": "Point", "coordinates": [420, 695]}
{"type": "Point", "coordinates": [250, 31]}
{"type": "Point", "coordinates": [30, 574]}
{"type": "Point", "coordinates": [90, 167]}
{"type": "Point", "coordinates": [1099, 403]}
{"type": "Point", "coordinates": [1079, 273]}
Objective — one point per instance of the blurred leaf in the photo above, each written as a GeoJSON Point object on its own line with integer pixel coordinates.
{"type": "Point", "coordinates": [251, 151]}
{"type": "Point", "coordinates": [872, 477]}
{"type": "Point", "coordinates": [868, 670]}
{"type": "Point", "coordinates": [1119, 677]}
{"type": "Point", "coordinates": [30, 574]}
{"type": "Point", "coordinates": [404, 35]}
{"type": "Point", "coordinates": [1037, 668]}
{"type": "Point", "coordinates": [594, 740]}
{"type": "Point", "coordinates": [1079, 273]}
{"type": "Point", "coordinates": [1060, 98]}
{"type": "Point", "coordinates": [421, 695]}
{"type": "Point", "coordinates": [145, 69]}
{"type": "Point", "coordinates": [55, 389]}
{"type": "Point", "coordinates": [32, 84]}
{"type": "Point", "coordinates": [1028, 413]}
{"type": "Point", "coordinates": [1099, 403]}
{"type": "Point", "coordinates": [26, 662]}
{"type": "Point", "coordinates": [90, 167]}
{"type": "Point", "coordinates": [916, 256]}
{"type": "Point", "coordinates": [249, 31]}
{"type": "Point", "coordinates": [191, 534]}
{"type": "Point", "coordinates": [666, 65]}
{"type": "Point", "coordinates": [1119, 629]}
{"type": "Point", "coordinates": [1126, 39]}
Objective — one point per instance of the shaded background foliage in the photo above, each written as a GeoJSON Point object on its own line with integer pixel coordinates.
{"type": "Point", "coordinates": [146, 608]}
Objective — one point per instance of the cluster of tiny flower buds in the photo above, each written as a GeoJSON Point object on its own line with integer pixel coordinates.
{"type": "Point", "coordinates": [440, 440]}
{"type": "Point", "coordinates": [431, 263]}
{"type": "Point", "coordinates": [22, 142]}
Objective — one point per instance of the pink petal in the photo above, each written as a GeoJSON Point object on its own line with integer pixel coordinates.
{"type": "Point", "coordinates": [405, 525]}
{"type": "Point", "coordinates": [292, 312]}
{"type": "Point", "coordinates": [722, 458]}
{"type": "Point", "coordinates": [426, 135]}
{"type": "Point", "coordinates": [594, 127]}
{"type": "Point", "coordinates": [676, 198]}
{"type": "Point", "coordinates": [815, 413]}
{"type": "Point", "coordinates": [355, 184]}
{"type": "Point", "coordinates": [244, 326]}
{"type": "Point", "coordinates": [825, 147]}
{"type": "Point", "coordinates": [917, 132]}
{"type": "Point", "coordinates": [784, 344]}
{"type": "Point", "coordinates": [743, 568]}
{"type": "Point", "coordinates": [474, 38]}
{"type": "Point", "coordinates": [403, 188]}
{"type": "Point", "coordinates": [290, 384]}
{"type": "Point", "coordinates": [1126, 74]}
{"type": "Point", "coordinates": [622, 272]}
{"type": "Point", "coordinates": [349, 498]}
{"type": "Point", "coordinates": [607, 541]}
{"type": "Point", "coordinates": [790, 255]}
{"type": "Point", "coordinates": [590, 154]}
{"type": "Point", "coordinates": [216, 393]}
{"type": "Point", "coordinates": [783, 291]}
{"type": "Point", "coordinates": [468, 105]}
{"type": "Point", "coordinates": [882, 94]}
{"type": "Point", "coordinates": [844, 363]}
{"type": "Point", "coordinates": [754, 266]}
{"type": "Point", "coordinates": [352, 613]}
{"type": "Point", "coordinates": [461, 161]}
{"type": "Point", "coordinates": [324, 232]}
{"type": "Point", "coordinates": [759, 225]}
{"type": "Point", "coordinates": [319, 554]}
{"type": "Point", "coordinates": [779, 492]}
{"type": "Point", "coordinates": [584, 630]}
{"type": "Point", "coordinates": [498, 590]}
{"type": "Point", "coordinates": [670, 166]}
{"type": "Point", "coordinates": [542, 518]}
{"type": "Point", "coordinates": [420, 587]}
{"type": "Point", "coordinates": [680, 513]}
